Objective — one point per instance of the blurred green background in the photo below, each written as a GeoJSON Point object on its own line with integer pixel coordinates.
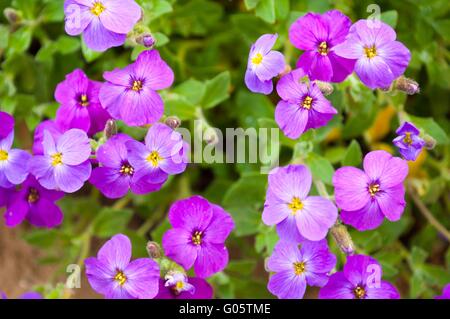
{"type": "Point", "coordinates": [206, 43]}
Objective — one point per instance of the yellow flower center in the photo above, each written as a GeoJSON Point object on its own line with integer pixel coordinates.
{"type": "Point", "coordinates": [120, 278]}
{"type": "Point", "coordinates": [3, 155]}
{"type": "Point", "coordinates": [373, 189]}
{"type": "Point", "coordinates": [137, 86]}
{"type": "Point", "coordinates": [307, 102]}
{"type": "Point", "coordinates": [56, 159]}
{"type": "Point", "coordinates": [197, 238]}
{"type": "Point", "coordinates": [359, 292]}
{"type": "Point", "coordinates": [84, 100]}
{"type": "Point", "coordinates": [98, 8]}
{"type": "Point", "coordinates": [407, 140]}
{"type": "Point", "coordinates": [154, 158]}
{"type": "Point", "coordinates": [299, 268]}
{"type": "Point", "coordinates": [33, 196]}
{"type": "Point", "coordinates": [370, 52]}
{"type": "Point", "coordinates": [323, 48]}
{"type": "Point", "coordinates": [127, 169]}
{"type": "Point", "coordinates": [295, 205]}
{"type": "Point", "coordinates": [179, 285]}
{"type": "Point", "coordinates": [257, 59]}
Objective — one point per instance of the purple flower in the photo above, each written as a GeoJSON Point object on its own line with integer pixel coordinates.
{"type": "Point", "coordinates": [198, 235]}
{"type": "Point", "coordinates": [116, 175]}
{"type": "Point", "coordinates": [162, 154]}
{"type": "Point", "coordinates": [80, 106]}
{"type": "Point", "coordinates": [130, 93]}
{"type": "Point", "coordinates": [317, 35]}
{"type": "Point", "coordinates": [366, 197]}
{"type": "Point", "coordinates": [263, 64]}
{"type": "Point", "coordinates": [52, 127]}
{"type": "Point", "coordinates": [302, 106]}
{"type": "Point", "coordinates": [114, 276]}
{"type": "Point", "coordinates": [360, 279]}
{"type": "Point", "coordinates": [296, 267]}
{"type": "Point", "coordinates": [178, 286]}
{"type": "Point", "coordinates": [408, 142]}
{"type": "Point", "coordinates": [445, 293]}
{"type": "Point", "coordinates": [7, 125]}
{"type": "Point", "coordinates": [380, 59]}
{"type": "Point", "coordinates": [5, 196]}
{"type": "Point", "coordinates": [27, 295]}
{"type": "Point", "coordinates": [13, 163]}
{"type": "Point", "coordinates": [297, 215]}
{"type": "Point", "coordinates": [104, 23]}
{"type": "Point", "coordinates": [65, 163]}
{"type": "Point", "coordinates": [34, 203]}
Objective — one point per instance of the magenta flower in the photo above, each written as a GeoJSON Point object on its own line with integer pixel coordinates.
{"type": "Point", "coordinates": [7, 124]}
{"type": "Point", "coordinates": [302, 106]}
{"type": "Point", "coordinates": [162, 154]}
{"type": "Point", "coordinates": [445, 293]}
{"type": "Point", "coordinates": [115, 176]}
{"type": "Point", "coordinates": [65, 163]}
{"type": "Point", "coordinates": [263, 64]}
{"type": "Point", "coordinates": [296, 267]}
{"type": "Point", "coordinates": [360, 279]}
{"type": "Point", "coordinates": [5, 196]}
{"type": "Point", "coordinates": [178, 286]}
{"type": "Point", "coordinates": [379, 58]}
{"type": "Point", "coordinates": [13, 163]}
{"type": "Point", "coordinates": [104, 23]}
{"type": "Point", "coordinates": [34, 203]}
{"type": "Point", "coordinates": [297, 215]}
{"type": "Point", "coordinates": [130, 93]}
{"type": "Point", "coordinates": [52, 127]}
{"type": "Point", "coordinates": [114, 276]}
{"type": "Point", "coordinates": [317, 35]}
{"type": "Point", "coordinates": [408, 142]}
{"type": "Point", "coordinates": [366, 197]}
{"type": "Point", "coordinates": [198, 236]}
{"type": "Point", "coordinates": [80, 106]}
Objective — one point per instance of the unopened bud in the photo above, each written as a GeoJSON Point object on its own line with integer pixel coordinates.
{"type": "Point", "coordinates": [147, 40]}
{"type": "Point", "coordinates": [11, 15]}
{"type": "Point", "coordinates": [210, 136]}
{"type": "Point", "coordinates": [110, 129]}
{"type": "Point", "coordinates": [430, 142]}
{"type": "Point", "coordinates": [154, 250]}
{"type": "Point", "coordinates": [343, 239]}
{"type": "Point", "coordinates": [409, 86]}
{"type": "Point", "coordinates": [173, 122]}
{"type": "Point", "coordinates": [325, 87]}
{"type": "Point", "coordinates": [287, 69]}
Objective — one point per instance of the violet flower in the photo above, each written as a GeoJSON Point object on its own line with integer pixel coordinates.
{"type": "Point", "coordinates": [408, 142]}
{"type": "Point", "coordinates": [113, 275]}
{"type": "Point", "coordinates": [7, 125]}
{"type": "Point", "coordinates": [445, 293]}
{"type": "Point", "coordinates": [366, 197]}
{"type": "Point", "coordinates": [179, 286]}
{"type": "Point", "coordinates": [13, 163]}
{"type": "Point", "coordinates": [198, 236]}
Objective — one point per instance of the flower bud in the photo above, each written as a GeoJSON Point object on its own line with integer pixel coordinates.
{"type": "Point", "coordinates": [154, 250]}
{"type": "Point", "coordinates": [409, 86]}
{"type": "Point", "coordinates": [430, 142]}
{"type": "Point", "coordinates": [173, 122]}
{"type": "Point", "coordinates": [146, 40]}
{"type": "Point", "coordinates": [110, 129]}
{"type": "Point", "coordinates": [325, 87]}
{"type": "Point", "coordinates": [287, 69]}
{"type": "Point", "coordinates": [11, 15]}
{"type": "Point", "coordinates": [343, 239]}
{"type": "Point", "coordinates": [210, 136]}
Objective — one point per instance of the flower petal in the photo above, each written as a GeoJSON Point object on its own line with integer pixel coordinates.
{"type": "Point", "coordinates": [255, 85]}
{"type": "Point", "coordinates": [70, 179]}
{"type": "Point", "coordinates": [75, 147]}
{"type": "Point", "coordinates": [286, 285]}
{"type": "Point", "coordinates": [98, 38]}
{"type": "Point", "coordinates": [116, 253]}
{"type": "Point", "coordinates": [392, 202]}
{"type": "Point", "coordinates": [211, 258]}
{"type": "Point", "coordinates": [317, 216]}
{"type": "Point", "coordinates": [220, 226]}
{"type": "Point", "coordinates": [291, 119]}
{"type": "Point", "coordinates": [367, 218]}
{"type": "Point", "coordinates": [272, 64]}
{"type": "Point", "coordinates": [177, 245]}
{"type": "Point", "coordinates": [120, 16]}
{"type": "Point", "coordinates": [142, 278]}
{"type": "Point", "coordinates": [157, 73]}
{"type": "Point", "coordinates": [337, 287]}
{"type": "Point", "coordinates": [350, 185]}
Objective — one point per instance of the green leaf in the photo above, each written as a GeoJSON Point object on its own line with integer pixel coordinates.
{"type": "Point", "coordinates": [418, 256]}
{"type": "Point", "coordinates": [20, 40]}
{"type": "Point", "coordinates": [192, 89]}
{"type": "Point", "coordinates": [266, 10]}
{"type": "Point", "coordinates": [353, 156]}
{"type": "Point", "coordinates": [111, 221]}
{"type": "Point", "coordinates": [390, 17]}
{"type": "Point", "coordinates": [179, 106]}
{"type": "Point", "coordinates": [217, 90]}
{"type": "Point", "coordinates": [429, 126]}
{"type": "Point", "coordinates": [42, 238]}
{"type": "Point", "coordinates": [321, 168]}
{"type": "Point", "coordinates": [67, 45]}
{"type": "Point", "coordinates": [160, 39]}
{"type": "Point", "coordinates": [251, 4]}
{"type": "Point", "coordinates": [88, 54]}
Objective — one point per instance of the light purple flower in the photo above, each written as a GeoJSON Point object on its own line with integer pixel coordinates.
{"type": "Point", "coordinates": [198, 236]}
{"type": "Point", "coordinates": [27, 295]}
{"type": "Point", "coordinates": [408, 142]}
{"type": "Point", "coordinates": [80, 106]}
{"type": "Point", "coordinates": [52, 127]}
{"type": "Point", "coordinates": [380, 59]}
{"type": "Point", "coordinates": [104, 23]}
{"type": "Point", "coordinates": [65, 163]}
{"type": "Point", "coordinates": [360, 279]}
{"type": "Point", "coordinates": [34, 203]}
{"type": "Point", "coordinates": [7, 124]}
{"type": "Point", "coordinates": [297, 215]}
{"type": "Point", "coordinates": [162, 154]}
{"type": "Point", "coordinates": [302, 106]}
{"type": "Point", "coordinates": [13, 163]}
{"type": "Point", "coordinates": [295, 267]}
{"type": "Point", "coordinates": [115, 176]}
{"type": "Point", "coordinates": [130, 93]}
{"type": "Point", "coordinates": [179, 286]}
{"type": "Point", "coordinates": [263, 64]}
{"type": "Point", "coordinates": [445, 293]}
{"type": "Point", "coordinates": [317, 35]}
{"type": "Point", "coordinates": [113, 275]}
{"type": "Point", "coordinates": [366, 197]}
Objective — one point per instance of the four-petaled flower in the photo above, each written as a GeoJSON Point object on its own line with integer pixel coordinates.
{"type": "Point", "coordinates": [13, 163]}
{"type": "Point", "coordinates": [408, 142]}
